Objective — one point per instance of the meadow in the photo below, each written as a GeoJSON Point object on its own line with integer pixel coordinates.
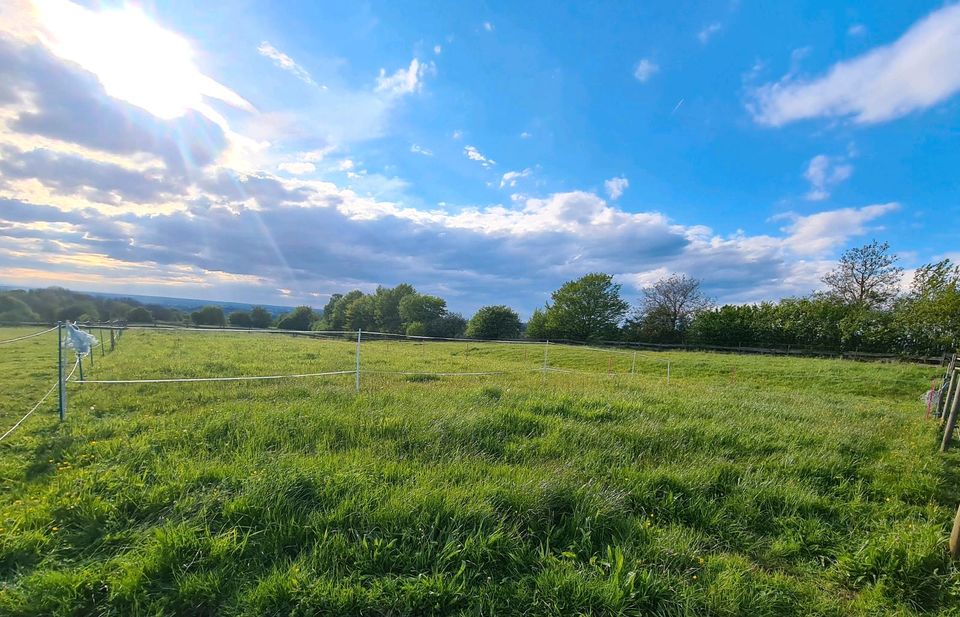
{"type": "Point", "coordinates": [747, 485]}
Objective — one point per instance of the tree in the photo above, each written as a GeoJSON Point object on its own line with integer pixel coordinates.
{"type": "Point", "coordinates": [209, 316]}
{"type": "Point", "coordinates": [668, 308]}
{"type": "Point", "coordinates": [13, 309]}
{"type": "Point", "coordinates": [498, 322]}
{"type": "Point", "coordinates": [422, 308]}
{"type": "Point", "coordinates": [300, 318]}
{"type": "Point", "coordinates": [73, 312]}
{"type": "Point", "coordinates": [362, 314]}
{"type": "Point", "coordinates": [140, 315]}
{"type": "Point", "coordinates": [240, 319]}
{"type": "Point", "coordinates": [260, 317]}
{"type": "Point", "coordinates": [537, 326]}
{"type": "Point", "coordinates": [416, 329]}
{"type": "Point", "coordinates": [448, 325]}
{"type": "Point", "coordinates": [927, 320]}
{"type": "Point", "coordinates": [387, 306]}
{"type": "Point", "coordinates": [867, 275]}
{"type": "Point", "coordinates": [335, 312]}
{"type": "Point", "coordinates": [588, 308]}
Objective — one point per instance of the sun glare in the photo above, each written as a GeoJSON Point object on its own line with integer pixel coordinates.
{"type": "Point", "coordinates": [135, 59]}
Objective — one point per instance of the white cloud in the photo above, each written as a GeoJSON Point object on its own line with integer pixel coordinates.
{"type": "Point", "coordinates": [915, 72]}
{"type": "Point", "coordinates": [285, 62]}
{"type": "Point", "coordinates": [510, 178]}
{"type": "Point", "coordinates": [707, 33]}
{"type": "Point", "coordinates": [526, 135]}
{"type": "Point", "coordinates": [437, 49]}
{"type": "Point", "coordinates": [297, 168]}
{"type": "Point", "coordinates": [615, 187]}
{"type": "Point", "coordinates": [457, 134]}
{"type": "Point", "coordinates": [645, 69]}
{"type": "Point", "coordinates": [823, 173]}
{"type": "Point", "coordinates": [404, 81]}
{"type": "Point", "coordinates": [488, 26]}
{"type": "Point", "coordinates": [474, 155]}
{"type": "Point", "coordinates": [346, 165]}
{"type": "Point", "coordinates": [856, 30]}
{"type": "Point", "coordinates": [817, 233]}
{"type": "Point", "coordinates": [420, 150]}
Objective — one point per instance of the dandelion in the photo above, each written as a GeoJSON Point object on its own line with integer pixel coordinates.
{"type": "Point", "coordinates": [54, 529]}
{"type": "Point", "coordinates": [694, 577]}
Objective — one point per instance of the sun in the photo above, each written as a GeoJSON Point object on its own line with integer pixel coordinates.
{"type": "Point", "coordinates": [135, 59]}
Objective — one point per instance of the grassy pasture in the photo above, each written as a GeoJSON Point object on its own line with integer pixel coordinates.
{"type": "Point", "coordinates": [745, 486]}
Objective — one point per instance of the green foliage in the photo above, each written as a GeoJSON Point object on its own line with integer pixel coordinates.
{"type": "Point", "coordinates": [79, 311]}
{"type": "Point", "coordinates": [537, 325]}
{"type": "Point", "coordinates": [260, 317]}
{"type": "Point", "coordinates": [300, 318]}
{"type": "Point", "coordinates": [209, 316]}
{"type": "Point", "coordinates": [589, 308]}
{"type": "Point", "coordinates": [240, 319]}
{"type": "Point", "coordinates": [139, 315]}
{"type": "Point", "coordinates": [416, 329]}
{"type": "Point", "coordinates": [387, 306]}
{"type": "Point", "coordinates": [13, 309]}
{"type": "Point", "coordinates": [747, 486]}
{"type": "Point", "coordinates": [498, 322]}
{"type": "Point", "coordinates": [422, 308]}
{"type": "Point", "coordinates": [865, 276]}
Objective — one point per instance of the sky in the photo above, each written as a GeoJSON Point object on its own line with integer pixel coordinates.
{"type": "Point", "coordinates": [281, 152]}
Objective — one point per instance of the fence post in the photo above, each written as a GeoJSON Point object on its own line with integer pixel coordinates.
{"type": "Point", "coordinates": [113, 341]}
{"type": "Point", "coordinates": [668, 372]}
{"type": "Point", "coordinates": [951, 419]}
{"type": "Point", "coordinates": [62, 387]}
{"type": "Point", "coordinates": [543, 372]}
{"type": "Point", "coordinates": [633, 366]}
{"type": "Point", "coordinates": [102, 352]}
{"type": "Point", "coordinates": [359, 333]}
{"type": "Point", "coordinates": [943, 407]}
{"type": "Point", "coordinates": [955, 536]}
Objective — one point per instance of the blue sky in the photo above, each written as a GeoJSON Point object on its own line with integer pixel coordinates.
{"type": "Point", "coordinates": [282, 151]}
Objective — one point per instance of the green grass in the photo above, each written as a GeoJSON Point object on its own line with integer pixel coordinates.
{"type": "Point", "coordinates": [745, 486]}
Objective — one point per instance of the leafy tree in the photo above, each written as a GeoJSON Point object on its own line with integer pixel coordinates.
{"type": "Point", "coordinates": [928, 319]}
{"type": "Point", "coordinates": [448, 325]}
{"type": "Point", "coordinates": [498, 322]}
{"type": "Point", "coordinates": [329, 307]}
{"type": "Point", "coordinates": [362, 314]}
{"type": "Point", "coordinates": [241, 319]}
{"type": "Point", "coordinates": [422, 308]}
{"type": "Point", "coordinates": [416, 329]}
{"type": "Point", "coordinates": [260, 317]}
{"type": "Point", "coordinates": [387, 306]}
{"type": "Point", "coordinates": [668, 308]}
{"type": "Point", "coordinates": [537, 326]}
{"type": "Point", "coordinates": [73, 312]}
{"type": "Point", "coordinates": [588, 308]}
{"type": "Point", "coordinates": [300, 318]}
{"type": "Point", "coordinates": [139, 315]}
{"type": "Point", "coordinates": [867, 275]}
{"type": "Point", "coordinates": [335, 312]}
{"type": "Point", "coordinates": [209, 316]}
{"type": "Point", "coordinates": [13, 309]}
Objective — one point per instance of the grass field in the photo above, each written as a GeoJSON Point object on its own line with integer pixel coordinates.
{"type": "Point", "coordinates": [745, 486]}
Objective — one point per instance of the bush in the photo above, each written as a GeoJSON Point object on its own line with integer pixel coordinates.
{"type": "Point", "coordinates": [260, 317]}
{"type": "Point", "coordinates": [416, 329]}
{"type": "Point", "coordinates": [301, 318]}
{"type": "Point", "coordinates": [140, 315]}
{"type": "Point", "coordinates": [494, 322]}
{"type": "Point", "coordinates": [240, 319]}
{"type": "Point", "coordinates": [209, 316]}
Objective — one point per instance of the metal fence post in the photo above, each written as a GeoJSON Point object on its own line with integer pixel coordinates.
{"type": "Point", "coordinates": [62, 386]}
{"type": "Point", "coordinates": [668, 372]}
{"type": "Point", "coordinates": [633, 366]}
{"type": "Point", "coordinates": [359, 333]}
{"type": "Point", "coordinates": [543, 372]}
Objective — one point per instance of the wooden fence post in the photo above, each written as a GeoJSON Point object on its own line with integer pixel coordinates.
{"type": "Point", "coordinates": [951, 419]}
{"type": "Point", "coordinates": [955, 536]}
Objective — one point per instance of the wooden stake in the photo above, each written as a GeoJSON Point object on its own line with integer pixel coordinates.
{"type": "Point", "coordinates": [951, 419]}
{"type": "Point", "coordinates": [955, 536]}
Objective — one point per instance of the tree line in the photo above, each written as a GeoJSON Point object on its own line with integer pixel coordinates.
{"type": "Point", "coordinates": [862, 308]}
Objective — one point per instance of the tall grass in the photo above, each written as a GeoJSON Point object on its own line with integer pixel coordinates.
{"type": "Point", "coordinates": [745, 486]}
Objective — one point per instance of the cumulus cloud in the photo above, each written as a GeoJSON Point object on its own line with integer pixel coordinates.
{"type": "Point", "coordinates": [823, 231]}
{"type": "Point", "coordinates": [404, 81]}
{"type": "Point", "coordinates": [823, 173]}
{"type": "Point", "coordinates": [510, 178]}
{"type": "Point", "coordinates": [645, 69]}
{"type": "Point", "coordinates": [915, 72]}
{"type": "Point", "coordinates": [285, 62]}
{"type": "Point", "coordinates": [474, 155]}
{"type": "Point", "coordinates": [297, 167]}
{"type": "Point", "coordinates": [420, 150]}
{"type": "Point", "coordinates": [615, 187]}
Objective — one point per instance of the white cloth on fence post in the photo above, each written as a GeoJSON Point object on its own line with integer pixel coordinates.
{"type": "Point", "coordinates": [80, 341]}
